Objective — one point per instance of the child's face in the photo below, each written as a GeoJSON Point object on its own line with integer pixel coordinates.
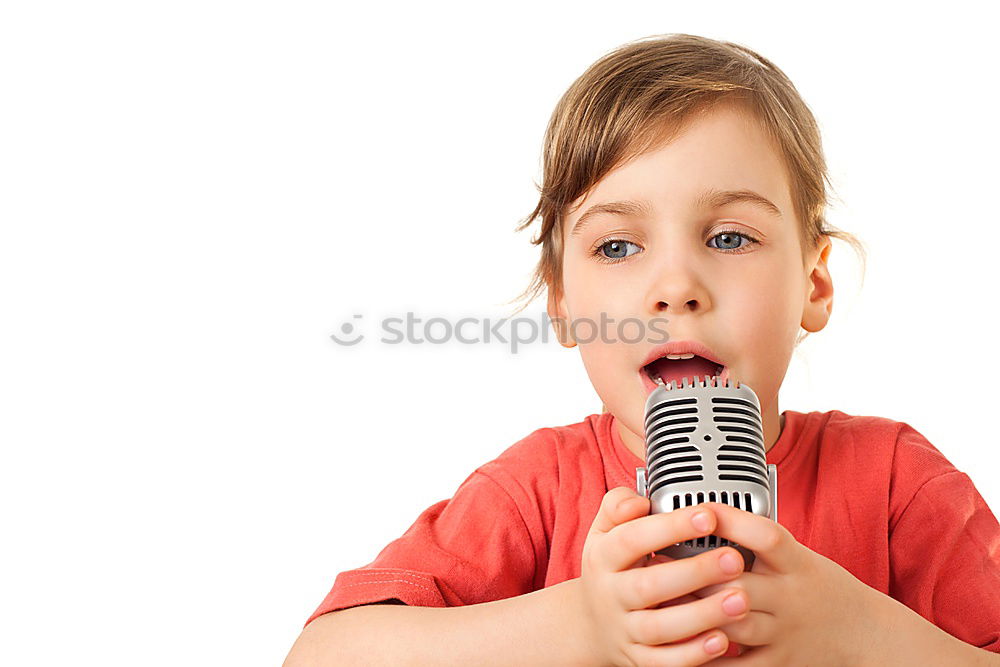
{"type": "Point", "coordinates": [744, 300]}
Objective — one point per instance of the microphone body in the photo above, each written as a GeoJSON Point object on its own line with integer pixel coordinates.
{"type": "Point", "coordinates": [705, 443]}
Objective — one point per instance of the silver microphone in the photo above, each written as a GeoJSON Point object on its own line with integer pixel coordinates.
{"type": "Point", "coordinates": [705, 443]}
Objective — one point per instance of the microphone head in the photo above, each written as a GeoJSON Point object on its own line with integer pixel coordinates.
{"type": "Point", "coordinates": [705, 443]}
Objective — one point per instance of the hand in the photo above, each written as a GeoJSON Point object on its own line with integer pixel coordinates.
{"type": "Point", "coordinates": [805, 609]}
{"type": "Point", "coordinates": [619, 584]}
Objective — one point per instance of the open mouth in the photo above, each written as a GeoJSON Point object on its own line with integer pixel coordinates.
{"type": "Point", "coordinates": [678, 366]}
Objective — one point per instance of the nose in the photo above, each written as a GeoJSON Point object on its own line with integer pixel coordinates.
{"type": "Point", "coordinates": [677, 288]}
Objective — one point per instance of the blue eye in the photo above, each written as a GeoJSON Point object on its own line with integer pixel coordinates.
{"type": "Point", "coordinates": [615, 250]}
{"type": "Point", "coordinates": [730, 241]}
{"type": "Point", "coordinates": [731, 236]}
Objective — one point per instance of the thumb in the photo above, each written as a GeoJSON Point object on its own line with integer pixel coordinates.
{"type": "Point", "coordinates": [619, 505]}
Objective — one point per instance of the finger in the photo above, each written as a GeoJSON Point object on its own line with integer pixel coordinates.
{"type": "Point", "coordinates": [695, 651]}
{"type": "Point", "coordinates": [758, 656]}
{"type": "Point", "coordinates": [760, 588]}
{"type": "Point", "coordinates": [659, 626]}
{"type": "Point", "coordinates": [758, 628]}
{"type": "Point", "coordinates": [675, 601]}
{"type": "Point", "coordinates": [768, 539]}
{"type": "Point", "coordinates": [619, 505]}
{"type": "Point", "coordinates": [646, 534]}
{"type": "Point", "coordinates": [642, 588]}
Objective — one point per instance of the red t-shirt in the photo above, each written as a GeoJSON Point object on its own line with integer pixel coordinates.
{"type": "Point", "coordinates": [870, 493]}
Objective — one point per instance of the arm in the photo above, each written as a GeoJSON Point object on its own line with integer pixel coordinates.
{"type": "Point", "coordinates": [904, 637]}
{"type": "Point", "coordinates": [537, 628]}
{"type": "Point", "coordinates": [945, 567]}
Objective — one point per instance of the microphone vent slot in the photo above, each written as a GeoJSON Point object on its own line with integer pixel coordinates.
{"type": "Point", "coordinates": [670, 456]}
{"type": "Point", "coordinates": [742, 458]}
{"type": "Point", "coordinates": [735, 499]}
{"type": "Point", "coordinates": [667, 408]}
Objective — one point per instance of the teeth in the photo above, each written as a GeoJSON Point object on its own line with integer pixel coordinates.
{"type": "Point", "coordinates": [658, 380]}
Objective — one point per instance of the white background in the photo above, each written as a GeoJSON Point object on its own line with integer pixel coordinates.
{"type": "Point", "coordinates": [195, 195]}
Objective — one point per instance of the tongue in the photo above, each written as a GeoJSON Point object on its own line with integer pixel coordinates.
{"type": "Point", "coordinates": [678, 369]}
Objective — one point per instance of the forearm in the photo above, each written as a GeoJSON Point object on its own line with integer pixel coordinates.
{"type": "Point", "coordinates": [907, 638]}
{"type": "Point", "coordinates": [538, 628]}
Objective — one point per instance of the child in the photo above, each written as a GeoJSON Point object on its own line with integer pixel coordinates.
{"type": "Point", "coordinates": [683, 180]}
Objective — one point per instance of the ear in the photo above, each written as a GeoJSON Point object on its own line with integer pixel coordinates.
{"type": "Point", "coordinates": [560, 317]}
{"type": "Point", "coordinates": [819, 302]}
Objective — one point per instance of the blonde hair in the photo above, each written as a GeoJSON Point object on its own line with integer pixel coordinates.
{"type": "Point", "coordinates": [638, 96]}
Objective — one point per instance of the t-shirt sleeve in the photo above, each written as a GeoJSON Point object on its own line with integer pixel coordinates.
{"type": "Point", "coordinates": [472, 548]}
{"type": "Point", "coordinates": [945, 559]}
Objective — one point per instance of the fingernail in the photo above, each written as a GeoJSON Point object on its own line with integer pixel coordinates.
{"type": "Point", "coordinates": [729, 563]}
{"type": "Point", "coordinates": [701, 521]}
{"type": "Point", "coordinates": [713, 644]}
{"type": "Point", "coordinates": [734, 605]}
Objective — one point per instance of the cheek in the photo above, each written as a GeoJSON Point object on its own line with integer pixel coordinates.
{"type": "Point", "coordinates": [770, 291]}
{"type": "Point", "coordinates": [596, 313]}
{"type": "Point", "coordinates": [765, 307]}
{"type": "Point", "coordinates": [766, 318]}
{"type": "Point", "coordinates": [591, 293]}
{"type": "Point", "coordinates": [600, 363]}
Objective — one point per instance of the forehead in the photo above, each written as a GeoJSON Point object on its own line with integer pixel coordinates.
{"type": "Point", "coordinates": [722, 148]}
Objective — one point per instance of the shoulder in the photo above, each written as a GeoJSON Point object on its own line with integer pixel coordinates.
{"type": "Point", "coordinates": [912, 456]}
{"type": "Point", "coordinates": [885, 446]}
{"type": "Point", "coordinates": [880, 437]}
{"type": "Point", "coordinates": [855, 445]}
{"type": "Point", "coordinates": [534, 467]}
{"type": "Point", "coordinates": [856, 429]}
{"type": "Point", "coordinates": [543, 450]}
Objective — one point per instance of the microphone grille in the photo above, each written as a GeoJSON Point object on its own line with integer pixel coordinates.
{"type": "Point", "coordinates": [705, 443]}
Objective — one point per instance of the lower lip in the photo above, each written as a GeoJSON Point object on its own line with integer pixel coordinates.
{"type": "Point", "coordinates": [649, 385]}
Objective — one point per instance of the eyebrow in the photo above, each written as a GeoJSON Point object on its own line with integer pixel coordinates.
{"type": "Point", "coordinates": [708, 199]}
